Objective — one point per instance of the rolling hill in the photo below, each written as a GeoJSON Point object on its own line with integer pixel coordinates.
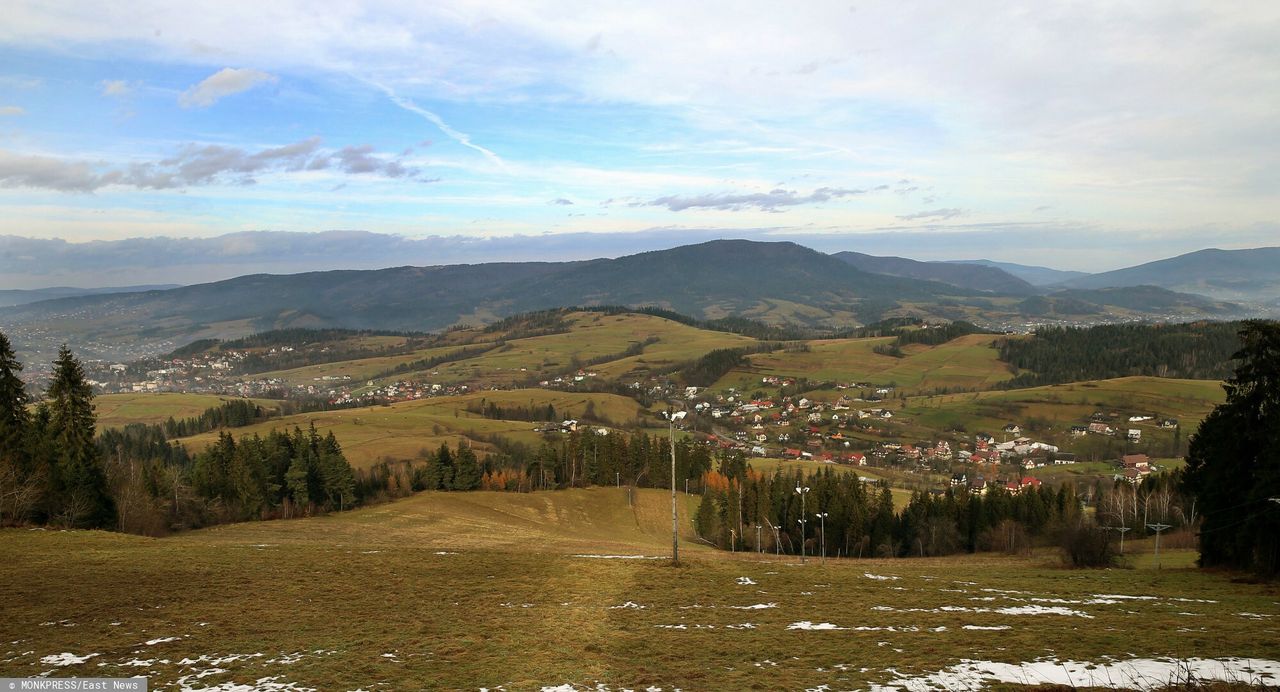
{"type": "Point", "coordinates": [781, 282]}
{"type": "Point", "coordinates": [1032, 274]}
{"type": "Point", "coordinates": [1236, 275]}
{"type": "Point", "coordinates": [975, 277]}
{"type": "Point", "coordinates": [777, 283]}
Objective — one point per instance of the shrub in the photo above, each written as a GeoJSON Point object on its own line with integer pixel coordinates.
{"type": "Point", "coordinates": [1087, 545]}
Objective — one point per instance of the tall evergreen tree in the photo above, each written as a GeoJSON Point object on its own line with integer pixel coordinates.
{"type": "Point", "coordinates": [14, 418]}
{"type": "Point", "coordinates": [81, 487]}
{"type": "Point", "coordinates": [1233, 463]}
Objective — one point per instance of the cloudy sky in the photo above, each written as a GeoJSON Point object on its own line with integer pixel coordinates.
{"type": "Point", "coordinates": [1082, 135]}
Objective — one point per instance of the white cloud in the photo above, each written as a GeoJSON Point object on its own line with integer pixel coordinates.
{"type": "Point", "coordinates": [12, 110]}
{"type": "Point", "coordinates": [116, 88]}
{"type": "Point", "coordinates": [221, 84]}
{"type": "Point", "coordinates": [196, 165]}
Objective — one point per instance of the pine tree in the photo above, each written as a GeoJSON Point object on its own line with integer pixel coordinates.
{"type": "Point", "coordinates": [81, 486]}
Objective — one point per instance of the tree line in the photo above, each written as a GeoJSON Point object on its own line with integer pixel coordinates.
{"type": "Point", "coordinates": [1055, 355]}
{"type": "Point", "coordinates": [745, 509]}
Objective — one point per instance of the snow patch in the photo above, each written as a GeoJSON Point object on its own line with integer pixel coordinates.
{"type": "Point", "coordinates": [65, 658]}
{"type": "Point", "coordinates": [757, 606]}
{"type": "Point", "coordinates": [629, 604]}
{"type": "Point", "coordinates": [161, 640]}
{"type": "Point", "coordinates": [1139, 674]}
{"type": "Point", "coordinates": [987, 627]}
{"type": "Point", "coordinates": [881, 577]}
{"type": "Point", "coordinates": [806, 625]}
{"type": "Point", "coordinates": [745, 581]}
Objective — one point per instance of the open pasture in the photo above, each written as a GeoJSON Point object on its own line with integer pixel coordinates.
{"type": "Point", "coordinates": [401, 430]}
{"type": "Point", "coordinates": [593, 336]}
{"type": "Point", "coordinates": [570, 590]}
{"type": "Point", "coordinates": [119, 410]}
{"type": "Point", "coordinates": [1061, 406]}
{"type": "Point", "coordinates": [968, 362]}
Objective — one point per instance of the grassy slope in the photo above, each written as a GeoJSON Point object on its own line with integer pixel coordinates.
{"type": "Point", "coordinates": [968, 362]}
{"type": "Point", "coordinates": [593, 335]}
{"type": "Point", "coordinates": [118, 410]}
{"type": "Point", "coordinates": [400, 430]}
{"type": "Point", "coordinates": [460, 591]}
{"type": "Point", "coordinates": [1071, 404]}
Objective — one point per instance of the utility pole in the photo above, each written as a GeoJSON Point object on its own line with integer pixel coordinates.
{"type": "Point", "coordinates": [1158, 528]}
{"type": "Point", "coordinates": [822, 519]}
{"type": "Point", "coordinates": [802, 492]}
{"type": "Point", "coordinates": [1122, 530]}
{"type": "Point", "coordinates": [675, 535]}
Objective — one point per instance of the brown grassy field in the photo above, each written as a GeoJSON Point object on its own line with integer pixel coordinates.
{"type": "Point", "coordinates": [401, 430]}
{"type": "Point", "coordinates": [119, 410]}
{"type": "Point", "coordinates": [518, 592]}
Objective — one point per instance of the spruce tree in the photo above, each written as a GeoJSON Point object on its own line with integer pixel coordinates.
{"type": "Point", "coordinates": [466, 473]}
{"type": "Point", "coordinates": [1233, 463]}
{"type": "Point", "coordinates": [81, 497]}
{"type": "Point", "coordinates": [14, 418]}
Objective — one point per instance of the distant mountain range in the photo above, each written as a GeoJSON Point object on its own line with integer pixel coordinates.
{"type": "Point", "coordinates": [1036, 276]}
{"type": "Point", "coordinates": [780, 283]}
{"type": "Point", "coordinates": [1237, 275]}
{"type": "Point", "coordinates": [975, 276]}
{"type": "Point", "coordinates": [11, 297]}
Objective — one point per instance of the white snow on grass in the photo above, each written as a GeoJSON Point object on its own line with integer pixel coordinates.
{"type": "Point", "coordinates": [620, 557]}
{"type": "Point", "coordinates": [1255, 616]}
{"type": "Point", "coordinates": [987, 627]}
{"type": "Point", "coordinates": [745, 581]}
{"type": "Point", "coordinates": [881, 577]}
{"type": "Point", "coordinates": [269, 684]}
{"type": "Point", "coordinates": [757, 606]}
{"type": "Point", "coordinates": [1138, 674]}
{"type": "Point", "coordinates": [806, 625]}
{"type": "Point", "coordinates": [1010, 610]}
{"type": "Point", "coordinates": [743, 626]}
{"type": "Point", "coordinates": [1122, 597]}
{"type": "Point", "coordinates": [65, 658]}
{"type": "Point", "coordinates": [161, 640]}
{"type": "Point", "coordinates": [629, 604]}
{"type": "Point", "coordinates": [216, 660]}
{"type": "Point", "coordinates": [1043, 610]}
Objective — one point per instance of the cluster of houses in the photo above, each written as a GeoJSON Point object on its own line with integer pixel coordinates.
{"type": "Point", "coordinates": [979, 484]}
{"type": "Point", "coordinates": [1098, 425]}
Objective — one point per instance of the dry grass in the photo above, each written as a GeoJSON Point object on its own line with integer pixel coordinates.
{"type": "Point", "coordinates": [480, 590]}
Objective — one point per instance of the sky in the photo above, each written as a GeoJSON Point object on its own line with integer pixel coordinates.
{"type": "Point", "coordinates": [1082, 135]}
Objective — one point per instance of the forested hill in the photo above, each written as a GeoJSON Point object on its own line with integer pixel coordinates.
{"type": "Point", "coordinates": [970, 276]}
{"type": "Point", "coordinates": [1054, 355]}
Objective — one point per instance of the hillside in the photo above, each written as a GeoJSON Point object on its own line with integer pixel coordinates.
{"type": "Point", "coordinates": [1138, 300]}
{"type": "Point", "coordinates": [12, 297]}
{"type": "Point", "coordinates": [1032, 274]}
{"type": "Point", "coordinates": [526, 592]}
{"type": "Point", "coordinates": [712, 280]}
{"type": "Point", "coordinates": [1251, 275]}
{"type": "Point", "coordinates": [970, 276]}
{"type": "Point", "coordinates": [402, 430]}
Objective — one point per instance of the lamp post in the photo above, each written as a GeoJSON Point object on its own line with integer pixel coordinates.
{"type": "Point", "coordinates": [822, 519]}
{"type": "Point", "coordinates": [758, 527]}
{"type": "Point", "coordinates": [672, 417]}
{"type": "Point", "coordinates": [802, 491]}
